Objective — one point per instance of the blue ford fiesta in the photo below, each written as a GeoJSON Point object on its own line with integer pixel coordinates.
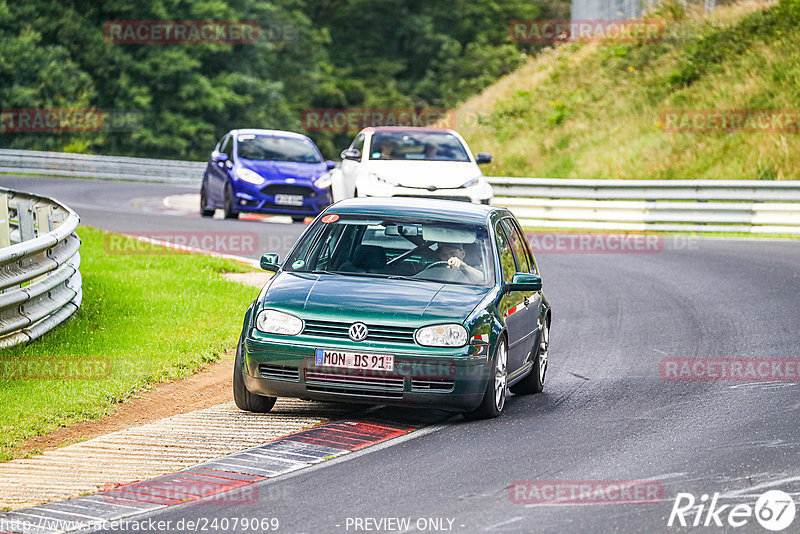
{"type": "Point", "coordinates": [266, 171]}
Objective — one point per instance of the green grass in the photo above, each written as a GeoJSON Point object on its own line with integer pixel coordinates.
{"type": "Point", "coordinates": [155, 317]}
{"type": "Point", "coordinates": [595, 110]}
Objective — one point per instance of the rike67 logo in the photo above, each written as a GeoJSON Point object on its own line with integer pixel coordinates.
{"type": "Point", "coordinates": [774, 510]}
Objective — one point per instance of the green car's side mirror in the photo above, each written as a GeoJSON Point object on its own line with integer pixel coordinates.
{"type": "Point", "coordinates": [270, 262]}
{"type": "Point", "coordinates": [524, 282]}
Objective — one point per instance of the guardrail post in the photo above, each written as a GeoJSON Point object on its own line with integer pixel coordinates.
{"type": "Point", "coordinates": [27, 226]}
{"type": "Point", "coordinates": [5, 223]}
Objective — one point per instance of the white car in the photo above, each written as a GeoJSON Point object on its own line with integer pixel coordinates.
{"type": "Point", "coordinates": [411, 162]}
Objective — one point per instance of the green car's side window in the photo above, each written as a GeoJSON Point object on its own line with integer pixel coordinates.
{"type": "Point", "coordinates": [506, 256]}
{"type": "Point", "coordinates": [517, 242]}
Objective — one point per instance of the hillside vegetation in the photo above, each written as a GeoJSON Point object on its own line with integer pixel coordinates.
{"type": "Point", "coordinates": [595, 110]}
{"type": "Point", "coordinates": [176, 100]}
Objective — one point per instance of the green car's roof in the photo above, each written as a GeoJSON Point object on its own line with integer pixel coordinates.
{"type": "Point", "coordinates": [423, 208]}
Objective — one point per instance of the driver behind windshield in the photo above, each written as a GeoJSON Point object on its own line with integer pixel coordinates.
{"type": "Point", "coordinates": [454, 254]}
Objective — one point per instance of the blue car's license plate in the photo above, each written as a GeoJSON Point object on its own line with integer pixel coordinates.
{"type": "Point", "coordinates": [354, 360]}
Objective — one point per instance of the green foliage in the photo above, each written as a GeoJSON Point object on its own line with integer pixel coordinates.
{"type": "Point", "coordinates": [326, 54]}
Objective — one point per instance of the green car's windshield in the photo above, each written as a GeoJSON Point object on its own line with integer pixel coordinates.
{"type": "Point", "coordinates": [452, 253]}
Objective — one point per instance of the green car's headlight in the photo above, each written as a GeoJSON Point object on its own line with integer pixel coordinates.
{"type": "Point", "coordinates": [277, 322]}
{"type": "Point", "coordinates": [442, 335]}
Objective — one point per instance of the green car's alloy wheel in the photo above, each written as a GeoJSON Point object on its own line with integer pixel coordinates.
{"type": "Point", "coordinates": [496, 388]}
{"type": "Point", "coordinates": [534, 382]}
{"type": "Point", "coordinates": [204, 210]}
{"type": "Point", "coordinates": [230, 211]}
{"type": "Point", "coordinates": [242, 397]}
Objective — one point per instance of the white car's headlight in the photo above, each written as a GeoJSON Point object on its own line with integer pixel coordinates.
{"type": "Point", "coordinates": [249, 176]}
{"type": "Point", "coordinates": [323, 181]}
{"type": "Point", "coordinates": [473, 182]}
{"type": "Point", "coordinates": [442, 335]}
{"type": "Point", "coordinates": [382, 180]}
{"type": "Point", "coordinates": [277, 322]}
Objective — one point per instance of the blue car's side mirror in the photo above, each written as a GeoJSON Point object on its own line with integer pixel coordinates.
{"type": "Point", "coordinates": [219, 157]}
{"type": "Point", "coordinates": [330, 164]}
{"type": "Point", "coordinates": [270, 262]}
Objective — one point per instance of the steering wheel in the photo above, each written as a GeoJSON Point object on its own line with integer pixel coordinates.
{"type": "Point", "coordinates": [436, 264]}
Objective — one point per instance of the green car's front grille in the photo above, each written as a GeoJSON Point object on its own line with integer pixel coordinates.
{"type": "Point", "coordinates": [391, 334]}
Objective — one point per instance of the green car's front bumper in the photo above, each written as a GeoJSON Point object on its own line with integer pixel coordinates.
{"type": "Point", "coordinates": [450, 379]}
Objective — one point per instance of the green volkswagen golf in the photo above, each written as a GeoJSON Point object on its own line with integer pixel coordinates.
{"type": "Point", "coordinates": [415, 302]}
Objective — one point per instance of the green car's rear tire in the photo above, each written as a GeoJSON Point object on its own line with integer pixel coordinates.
{"type": "Point", "coordinates": [534, 382]}
{"type": "Point", "coordinates": [241, 395]}
{"type": "Point", "coordinates": [494, 399]}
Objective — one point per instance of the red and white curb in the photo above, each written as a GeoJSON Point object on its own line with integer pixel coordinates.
{"type": "Point", "coordinates": [227, 480]}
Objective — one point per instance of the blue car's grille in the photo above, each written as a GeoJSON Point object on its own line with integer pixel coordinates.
{"type": "Point", "coordinates": [287, 189]}
{"type": "Point", "coordinates": [391, 334]}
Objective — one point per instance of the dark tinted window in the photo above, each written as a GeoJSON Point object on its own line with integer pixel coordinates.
{"type": "Point", "coordinates": [420, 146]}
{"type": "Point", "coordinates": [506, 256]}
{"type": "Point", "coordinates": [270, 148]}
{"type": "Point", "coordinates": [517, 242]}
{"type": "Point", "coordinates": [227, 144]}
{"type": "Point", "coordinates": [400, 247]}
{"type": "Point", "coordinates": [358, 144]}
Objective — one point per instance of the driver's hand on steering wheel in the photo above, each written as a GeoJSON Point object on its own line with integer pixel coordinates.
{"type": "Point", "coordinates": [455, 263]}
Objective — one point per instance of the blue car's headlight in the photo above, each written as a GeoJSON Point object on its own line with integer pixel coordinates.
{"type": "Point", "coordinates": [442, 335]}
{"type": "Point", "coordinates": [323, 181]}
{"type": "Point", "coordinates": [249, 176]}
{"type": "Point", "coordinates": [277, 322]}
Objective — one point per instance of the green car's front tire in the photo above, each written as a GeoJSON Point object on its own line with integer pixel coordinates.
{"type": "Point", "coordinates": [534, 382]}
{"type": "Point", "coordinates": [241, 395]}
{"type": "Point", "coordinates": [496, 388]}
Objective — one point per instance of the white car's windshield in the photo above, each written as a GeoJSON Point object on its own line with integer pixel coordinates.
{"type": "Point", "coordinates": [420, 146]}
{"type": "Point", "coordinates": [442, 252]}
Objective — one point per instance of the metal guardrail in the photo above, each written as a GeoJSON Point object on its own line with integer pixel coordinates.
{"type": "Point", "coordinates": [40, 281]}
{"type": "Point", "coordinates": [749, 206]}
{"type": "Point", "coordinates": [107, 167]}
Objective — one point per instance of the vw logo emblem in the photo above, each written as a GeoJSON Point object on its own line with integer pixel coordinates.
{"type": "Point", "coordinates": [358, 331]}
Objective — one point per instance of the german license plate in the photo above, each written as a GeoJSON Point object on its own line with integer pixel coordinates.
{"type": "Point", "coordinates": [289, 200]}
{"type": "Point", "coordinates": [354, 360]}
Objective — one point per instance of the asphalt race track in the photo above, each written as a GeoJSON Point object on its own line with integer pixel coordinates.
{"type": "Point", "coordinates": [130, 207]}
{"type": "Point", "coordinates": [606, 413]}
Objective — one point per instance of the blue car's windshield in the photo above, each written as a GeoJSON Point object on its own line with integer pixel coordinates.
{"type": "Point", "coordinates": [453, 253]}
{"type": "Point", "coordinates": [270, 148]}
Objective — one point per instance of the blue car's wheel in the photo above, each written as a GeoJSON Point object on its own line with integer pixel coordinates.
{"type": "Point", "coordinates": [205, 211]}
{"type": "Point", "coordinates": [230, 210]}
